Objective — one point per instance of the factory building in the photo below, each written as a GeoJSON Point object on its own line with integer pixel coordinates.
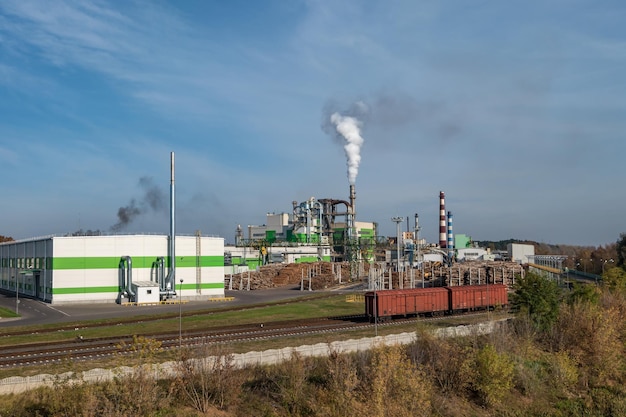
{"type": "Point", "coordinates": [113, 268]}
{"type": "Point", "coordinates": [520, 253]}
{"type": "Point", "coordinates": [311, 233]}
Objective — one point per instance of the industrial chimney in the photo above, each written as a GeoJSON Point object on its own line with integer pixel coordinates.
{"type": "Point", "coordinates": [450, 239]}
{"type": "Point", "coordinates": [352, 211]}
{"type": "Point", "coordinates": [170, 281]}
{"type": "Point", "coordinates": [442, 220]}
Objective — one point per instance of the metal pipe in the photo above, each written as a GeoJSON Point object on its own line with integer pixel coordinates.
{"type": "Point", "coordinates": [161, 272]}
{"type": "Point", "coordinates": [170, 286]}
{"type": "Point", "coordinates": [126, 273]}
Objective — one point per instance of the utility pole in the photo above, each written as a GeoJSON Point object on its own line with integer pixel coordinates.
{"type": "Point", "coordinates": [17, 298]}
{"type": "Point", "coordinates": [180, 314]}
{"type": "Point", "coordinates": [397, 221]}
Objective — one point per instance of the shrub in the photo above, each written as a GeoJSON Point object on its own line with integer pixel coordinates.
{"type": "Point", "coordinates": [210, 380]}
{"type": "Point", "coordinates": [395, 387]}
{"type": "Point", "coordinates": [492, 374]}
{"type": "Point", "coordinates": [339, 391]}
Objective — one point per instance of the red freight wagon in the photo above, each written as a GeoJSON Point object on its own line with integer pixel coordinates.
{"type": "Point", "coordinates": [477, 297]}
{"type": "Point", "coordinates": [412, 301]}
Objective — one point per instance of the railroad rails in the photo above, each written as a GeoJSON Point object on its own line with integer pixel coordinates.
{"type": "Point", "coordinates": [94, 349]}
{"type": "Point", "coordinates": [84, 350]}
{"type": "Point", "coordinates": [103, 348]}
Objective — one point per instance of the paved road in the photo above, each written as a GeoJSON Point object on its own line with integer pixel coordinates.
{"type": "Point", "coordinates": [38, 312]}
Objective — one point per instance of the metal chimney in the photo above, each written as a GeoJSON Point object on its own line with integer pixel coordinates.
{"type": "Point", "coordinates": [171, 276]}
{"type": "Point", "coordinates": [352, 211]}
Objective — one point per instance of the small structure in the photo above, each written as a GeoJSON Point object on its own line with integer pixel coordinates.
{"type": "Point", "coordinates": [520, 253]}
{"type": "Point", "coordinates": [146, 292]}
{"type": "Point", "coordinates": [471, 254]}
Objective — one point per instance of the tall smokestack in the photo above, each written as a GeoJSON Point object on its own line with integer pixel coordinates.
{"type": "Point", "coordinates": [450, 238]}
{"type": "Point", "coordinates": [171, 278]}
{"type": "Point", "coordinates": [417, 227]}
{"type": "Point", "coordinates": [352, 200]}
{"type": "Point", "coordinates": [442, 220]}
{"type": "Point", "coordinates": [351, 211]}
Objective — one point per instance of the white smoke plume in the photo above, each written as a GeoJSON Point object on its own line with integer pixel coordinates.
{"type": "Point", "coordinates": [349, 128]}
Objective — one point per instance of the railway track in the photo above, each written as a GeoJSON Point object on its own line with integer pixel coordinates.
{"type": "Point", "coordinates": [101, 348]}
{"type": "Point", "coordinates": [83, 350]}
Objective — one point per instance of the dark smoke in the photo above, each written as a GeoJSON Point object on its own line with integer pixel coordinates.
{"type": "Point", "coordinates": [153, 196]}
{"type": "Point", "coordinates": [153, 200]}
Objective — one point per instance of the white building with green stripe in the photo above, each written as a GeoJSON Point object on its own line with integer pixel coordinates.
{"type": "Point", "coordinates": [86, 269]}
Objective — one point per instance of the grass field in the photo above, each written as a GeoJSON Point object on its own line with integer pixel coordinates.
{"type": "Point", "coordinates": [5, 312]}
{"type": "Point", "coordinates": [307, 307]}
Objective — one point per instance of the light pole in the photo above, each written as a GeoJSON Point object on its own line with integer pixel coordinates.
{"type": "Point", "coordinates": [375, 309]}
{"type": "Point", "coordinates": [180, 314]}
{"type": "Point", "coordinates": [17, 298]}
{"type": "Point", "coordinates": [397, 221]}
{"type": "Point", "coordinates": [417, 239]}
{"type": "Point", "coordinates": [604, 263]}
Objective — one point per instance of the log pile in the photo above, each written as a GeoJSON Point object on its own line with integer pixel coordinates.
{"type": "Point", "coordinates": [321, 274]}
{"type": "Point", "coordinates": [324, 275]}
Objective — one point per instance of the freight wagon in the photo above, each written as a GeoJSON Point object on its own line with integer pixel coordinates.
{"type": "Point", "coordinates": [477, 297]}
{"type": "Point", "coordinates": [387, 304]}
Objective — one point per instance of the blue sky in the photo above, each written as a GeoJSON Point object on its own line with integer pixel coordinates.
{"type": "Point", "coordinates": [515, 109]}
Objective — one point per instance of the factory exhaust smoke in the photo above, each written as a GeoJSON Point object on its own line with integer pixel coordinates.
{"type": "Point", "coordinates": [153, 199]}
{"type": "Point", "coordinates": [345, 127]}
{"type": "Point", "coordinates": [350, 129]}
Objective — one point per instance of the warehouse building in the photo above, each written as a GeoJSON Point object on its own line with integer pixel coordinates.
{"type": "Point", "coordinates": [113, 268]}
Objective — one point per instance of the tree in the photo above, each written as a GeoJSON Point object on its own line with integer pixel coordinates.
{"type": "Point", "coordinates": [614, 279]}
{"type": "Point", "coordinates": [537, 297]}
{"type": "Point", "coordinates": [492, 374]}
{"type": "Point", "coordinates": [584, 293]}
{"type": "Point", "coordinates": [621, 250]}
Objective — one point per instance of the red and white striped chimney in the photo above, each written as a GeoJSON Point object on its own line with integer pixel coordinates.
{"type": "Point", "coordinates": [442, 220]}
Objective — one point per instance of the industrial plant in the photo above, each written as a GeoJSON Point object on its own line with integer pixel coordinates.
{"type": "Point", "coordinates": [160, 268]}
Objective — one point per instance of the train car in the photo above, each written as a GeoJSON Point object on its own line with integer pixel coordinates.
{"type": "Point", "coordinates": [387, 304]}
{"type": "Point", "coordinates": [477, 297]}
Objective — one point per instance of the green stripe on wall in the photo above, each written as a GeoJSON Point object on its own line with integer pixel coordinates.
{"type": "Point", "coordinates": [206, 286]}
{"type": "Point", "coordinates": [113, 262]}
{"type": "Point", "coordinates": [306, 259]}
{"type": "Point", "coordinates": [95, 290]}
{"type": "Point", "coordinates": [189, 261]}
{"type": "Point", "coordinates": [85, 290]}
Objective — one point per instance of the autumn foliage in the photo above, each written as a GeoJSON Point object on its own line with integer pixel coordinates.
{"type": "Point", "coordinates": [571, 365]}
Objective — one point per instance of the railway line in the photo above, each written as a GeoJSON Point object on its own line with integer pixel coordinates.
{"type": "Point", "coordinates": [94, 349]}
{"type": "Point", "coordinates": [84, 350]}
